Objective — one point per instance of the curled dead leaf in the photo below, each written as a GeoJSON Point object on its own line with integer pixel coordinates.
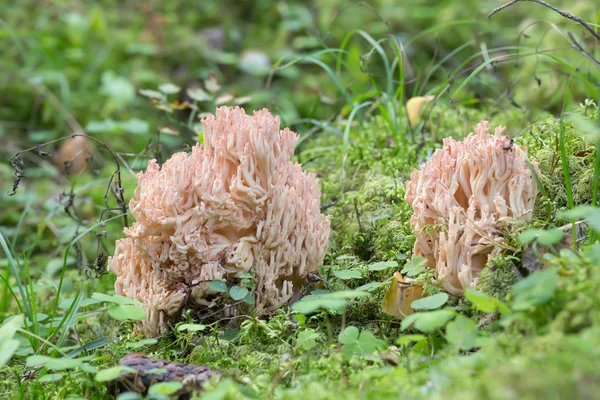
{"type": "Point", "coordinates": [414, 106]}
{"type": "Point", "coordinates": [400, 295]}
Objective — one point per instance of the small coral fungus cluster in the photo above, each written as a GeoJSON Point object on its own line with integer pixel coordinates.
{"type": "Point", "coordinates": [235, 205]}
{"type": "Point", "coordinates": [462, 197]}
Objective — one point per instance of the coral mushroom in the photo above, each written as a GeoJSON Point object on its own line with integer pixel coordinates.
{"type": "Point", "coordinates": [461, 197]}
{"type": "Point", "coordinates": [236, 205]}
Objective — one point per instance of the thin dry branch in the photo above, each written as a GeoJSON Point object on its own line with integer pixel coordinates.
{"type": "Point", "coordinates": [582, 50]}
{"type": "Point", "coordinates": [564, 14]}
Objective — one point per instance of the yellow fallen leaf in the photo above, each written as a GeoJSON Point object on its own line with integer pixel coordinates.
{"type": "Point", "coordinates": [414, 106]}
{"type": "Point", "coordinates": [400, 296]}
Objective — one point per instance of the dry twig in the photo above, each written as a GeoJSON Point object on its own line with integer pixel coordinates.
{"type": "Point", "coordinates": [555, 9]}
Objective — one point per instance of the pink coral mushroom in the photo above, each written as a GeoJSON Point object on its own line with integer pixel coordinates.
{"type": "Point", "coordinates": [237, 205]}
{"type": "Point", "coordinates": [460, 199]}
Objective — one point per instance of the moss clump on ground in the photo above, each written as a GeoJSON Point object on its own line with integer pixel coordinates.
{"type": "Point", "coordinates": [548, 350]}
{"type": "Point", "coordinates": [372, 222]}
{"type": "Point", "coordinates": [498, 276]}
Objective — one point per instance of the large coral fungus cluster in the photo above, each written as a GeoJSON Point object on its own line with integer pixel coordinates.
{"type": "Point", "coordinates": [462, 197]}
{"type": "Point", "coordinates": [236, 205]}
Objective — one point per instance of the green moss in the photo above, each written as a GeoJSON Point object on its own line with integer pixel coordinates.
{"type": "Point", "coordinates": [372, 221]}
{"type": "Point", "coordinates": [497, 278]}
{"type": "Point", "coordinates": [546, 367]}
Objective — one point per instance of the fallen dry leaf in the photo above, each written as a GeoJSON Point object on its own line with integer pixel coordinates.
{"type": "Point", "coordinates": [414, 106]}
{"type": "Point", "coordinates": [400, 296]}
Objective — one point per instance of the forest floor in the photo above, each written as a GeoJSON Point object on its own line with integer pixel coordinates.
{"type": "Point", "coordinates": [137, 78]}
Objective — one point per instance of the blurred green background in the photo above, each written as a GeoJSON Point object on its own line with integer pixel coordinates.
{"type": "Point", "coordinates": [137, 75]}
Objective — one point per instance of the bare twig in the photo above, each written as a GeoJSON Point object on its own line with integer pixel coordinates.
{"type": "Point", "coordinates": [584, 51]}
{"type": "Point", "coordinates": [116, 187]}
{"type": "Point", "coordinates": [562, 13]}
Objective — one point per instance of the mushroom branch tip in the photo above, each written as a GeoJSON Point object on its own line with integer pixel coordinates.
{"type": "Point", "coordinates": [461, 199]}
{"type": "Point", "coordinates": [236, 205]}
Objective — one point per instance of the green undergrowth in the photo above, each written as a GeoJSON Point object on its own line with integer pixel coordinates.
{"type": "Point", "coordinates": [529, 331]}
{"type": "Point", "coordinates": [542, 140]}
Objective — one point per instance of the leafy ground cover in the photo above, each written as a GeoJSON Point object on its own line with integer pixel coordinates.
{"type": "Point", "coordinates": [137, 76]}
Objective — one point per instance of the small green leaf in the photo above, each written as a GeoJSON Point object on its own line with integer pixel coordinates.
{"type": "Point", "coordinates": [218, 286]}
{"type": "Point", "coordinates": [129, 396]}
{"type": "Point", "coordinates": [368, 287]}
{"type": "Point", "coordinates": [542, 236]}
{"type": "Point", "coordinates": [109, 374]}
{"type": "Point", "coordinates": [141, 343]}
{"type": "Point", "coordinates": [414, 266]}
{"type": "Point", "coordinates": [50, 378]}
{"type": "Point", "coordinates": [535, 290]}
{"type": "Point", "coordinates": [428, 322]}
{"type": "Point", "coordinates": [486, 303]}
{"type": "Point", "coordinates": [550, 236]}
{"type": "Point", "coordinates": [348, 335]}
{"type": "Point", "coordinates": [60, 364]}
{"type": "Point", "coordinates": [481, 301]}
{"type": "Point", "coordinates": [368, 343]}
{"type": "Point", "coordinates": [307, 339]}
{"type": "Point", "coordinates": [119, 89]}
{"type": "Point", "coordinates": [167, 388]}
{"type": "Point", "coordinates": [37, 359]}
{"type": "Point", "coordinates": [103, 297]}
{"type": "Point", "coordinates": [528, 235]}
{"type": "Point", "coordinates": [346, 274]}
{"type": "Point", "coordinates": [462, 332]}
{"type": "Point", "coordinates": [382, 265]}
{"type": "Point", "coordinates": [410, 339]}
{"type": "Point", "coordinates": [152, 94]}
{"type": "Point", "coordinates": [66, 303]}
{"type": "Point", "coordinates": [88, 368]}
{"type": "Point", "coordinates": [125, 311]}
{"type": "Point", "coordinates": [329, 301]}
{"type": "Point", "coordinates": [8, 344]}
{"type": "Point", "coordinates": [300, 319]}
{"type": "Point", "coordinates": [198, 94]}
{"type": "Point", "coordinates": [8, 348]}
{"type": "Point", "coordinates": [238, 292]}
{"type": "Point", "coordinates": [431, 302]}
{"type": "Point", "coordinates": [224, 99]}
{"type": "Point", "coordinates": [135, 126]}
{"type": "Point", "coordinates": [590, 213]}
{"type": "Point", "coordinates": [242, 100]}
{"type": "Point", "coordinates": [191, 327]}
{"type": "Point", "coordinates": [408, 321]}
{"type": "Point", "coordinates": [249, 299]}
{"type": "Point", "coordinates": [116, 299]}
{"type": "Point", "coordinates": [169, 88]}
{"type": "Point", "coordinates": [11, 326]}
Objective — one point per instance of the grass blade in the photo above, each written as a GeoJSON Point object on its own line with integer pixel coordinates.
{"type": "Point", "coordinates": [15, 272]}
